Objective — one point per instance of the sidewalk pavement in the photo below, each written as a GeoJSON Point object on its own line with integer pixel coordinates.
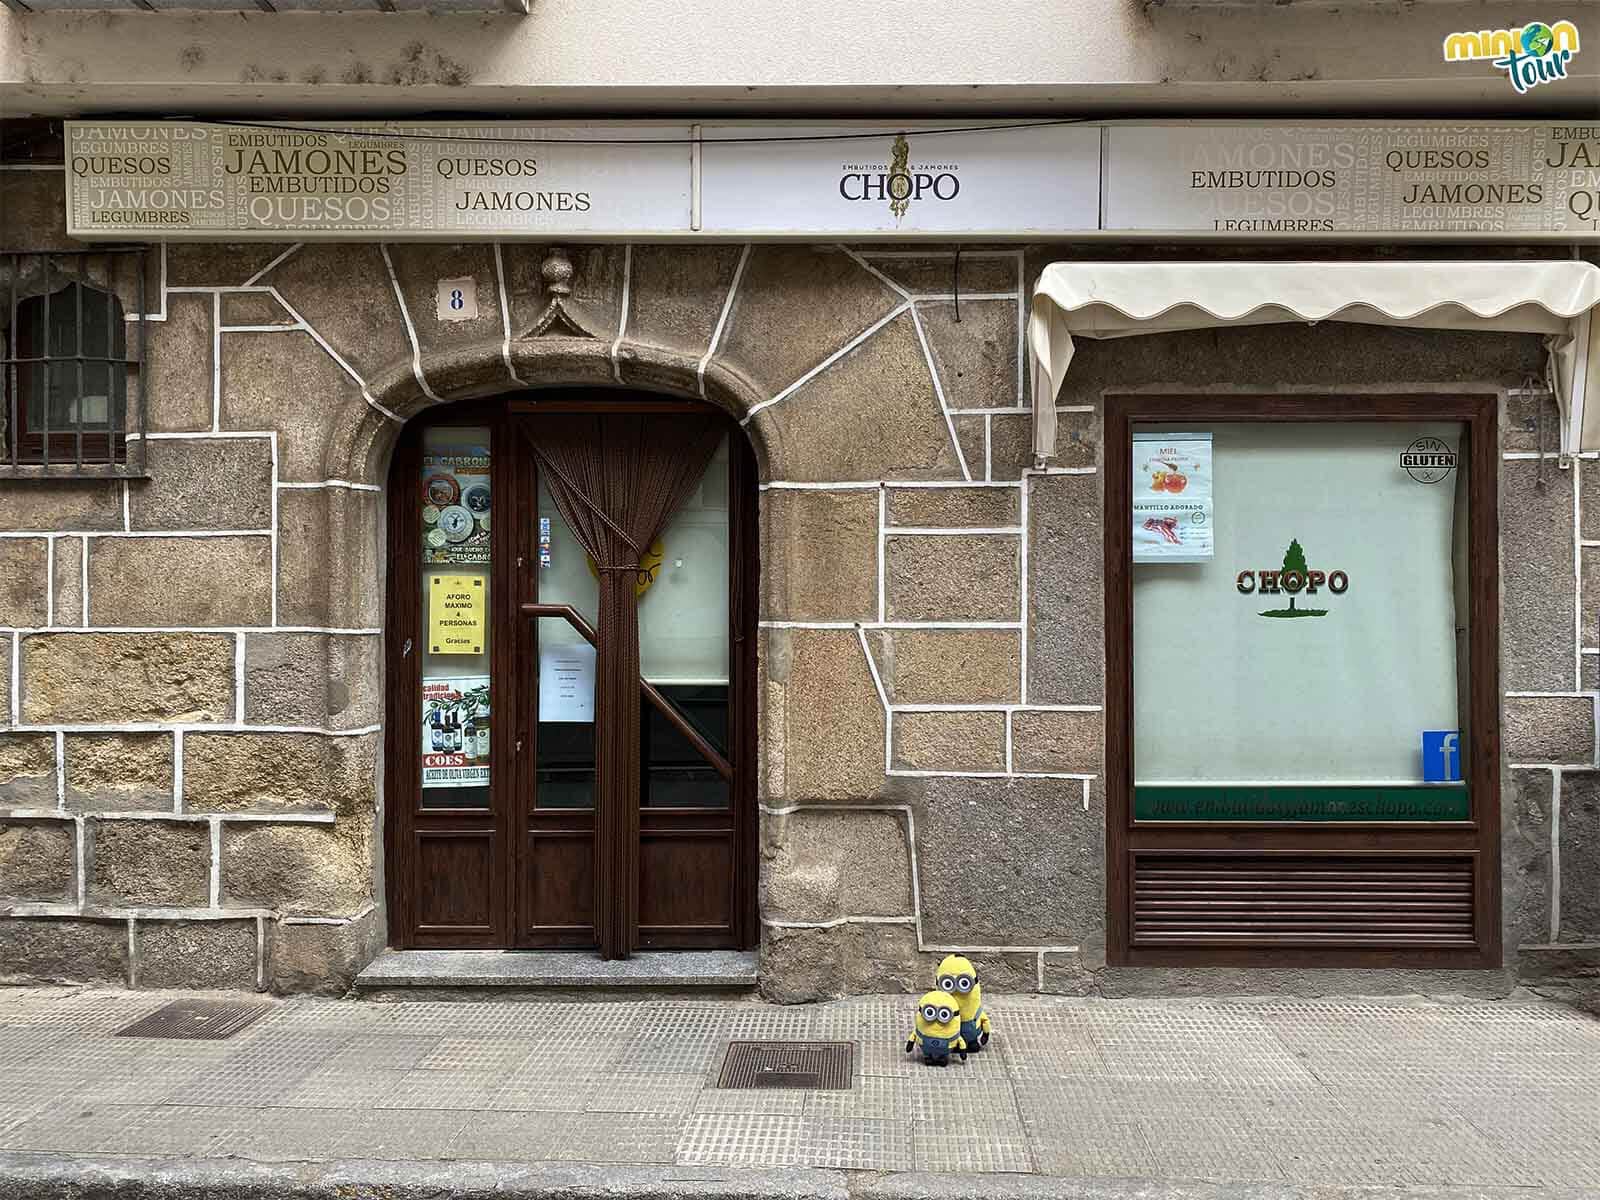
{"type": "Point", "coordinates": [1091, 1098]}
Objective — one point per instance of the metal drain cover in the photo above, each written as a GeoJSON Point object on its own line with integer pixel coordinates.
{"type": "Point", "coordinates": [821, 1065]}
{"type": "Point", "coordinates": [208, 1020]}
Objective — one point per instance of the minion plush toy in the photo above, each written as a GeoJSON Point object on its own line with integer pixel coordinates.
{"type": "Point", "coordinates": [958, 980]}
{"type": "Point", "coordinates": [937, 1031]}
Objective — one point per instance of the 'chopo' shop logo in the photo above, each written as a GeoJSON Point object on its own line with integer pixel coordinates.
{"type": "Point", "coordinates": [1295, 578]}
{"type": "Point", "coordinates": [898, 182]}
{"type": "Point", "coordinates": [1537, 53]}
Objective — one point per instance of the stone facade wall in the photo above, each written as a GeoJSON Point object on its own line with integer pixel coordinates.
{"type": "Point", "coordinates": [189, 778]}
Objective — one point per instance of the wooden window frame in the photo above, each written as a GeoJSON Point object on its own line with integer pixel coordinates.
{"type": "Point", "coordinates": [1479, 837]}
{"type": "Point", "coordinates": [513, 593]}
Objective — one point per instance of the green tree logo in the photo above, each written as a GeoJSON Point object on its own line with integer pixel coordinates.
{"type": "Point", "coordinates": [1295, 576]}
{"type": "Point", "coordinates": [1294, 559]}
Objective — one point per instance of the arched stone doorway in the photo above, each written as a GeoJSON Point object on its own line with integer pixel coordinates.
{"type": "Point", "coordinates": [528, 807]}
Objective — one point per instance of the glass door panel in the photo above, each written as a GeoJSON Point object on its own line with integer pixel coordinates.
{"type": "Point", "coordinates": [683, 648]}
{"type": "Point", "coordinates": [456, 625]}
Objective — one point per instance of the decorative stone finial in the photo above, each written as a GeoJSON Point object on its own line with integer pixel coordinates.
{"type": "Point", "coordinates": [556, 271]}
{"type": "Point", "coordinates": [561, 317]}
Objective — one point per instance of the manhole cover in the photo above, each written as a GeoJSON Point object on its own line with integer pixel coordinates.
{"type": "Point", "coordinates": [822, 1065]}
{"type": "Point", "coordinates": [209, 1020]}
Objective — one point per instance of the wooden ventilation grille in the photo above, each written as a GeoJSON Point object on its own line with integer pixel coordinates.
{"type": "Point", "coordinates": [1302, 899]}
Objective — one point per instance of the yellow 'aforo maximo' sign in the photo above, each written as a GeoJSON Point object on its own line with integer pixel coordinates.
{"type": "Point", "coordinates": [456, 614]}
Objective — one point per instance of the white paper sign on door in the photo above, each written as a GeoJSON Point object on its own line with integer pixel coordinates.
{"type": "Point", "coordinates": [1172, 497]}
{"type": "Point", "coordinates": [566, 682]}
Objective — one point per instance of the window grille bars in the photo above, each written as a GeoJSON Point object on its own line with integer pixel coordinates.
{"type": "Point", "coordinates": [50, 357]}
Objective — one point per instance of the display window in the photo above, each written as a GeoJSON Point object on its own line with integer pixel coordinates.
{"type": "Point", "coordinates": [1301, 687]}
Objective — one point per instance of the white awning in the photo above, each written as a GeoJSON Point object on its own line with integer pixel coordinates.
{"type": "Point", "coordinates": [1107, 300]}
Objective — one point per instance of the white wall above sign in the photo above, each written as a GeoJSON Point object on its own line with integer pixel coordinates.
{"type": "Point", "coordinates": [353, 181]}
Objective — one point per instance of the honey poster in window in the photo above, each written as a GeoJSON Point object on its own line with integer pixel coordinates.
{"type": "Point", "coordinates": [1172, 497]}
{"type": "Point", "coordinates": [456, 611]}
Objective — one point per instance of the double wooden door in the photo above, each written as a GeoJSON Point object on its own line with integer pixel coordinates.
{"type": "Point", "coordinates": [492, 647]}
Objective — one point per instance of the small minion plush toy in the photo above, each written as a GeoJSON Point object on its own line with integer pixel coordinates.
{"type": "Point", "coordinates": [937, 1031]}
{"type": "Point", "coordinates": [958, 979]}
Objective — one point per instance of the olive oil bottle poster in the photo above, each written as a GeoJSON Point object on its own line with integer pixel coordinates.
{"type": "Point", "coordinates": [455, 731]}
{"type": "Point", "coordinates": [455, 505]}
{"type": "Point", "coordinates": [1172, 497]}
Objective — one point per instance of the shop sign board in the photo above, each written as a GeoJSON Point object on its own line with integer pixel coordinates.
{"type": "Point", "coordinates": [1252, 179]}
{"type": "Point", "coordinates": [1042, 179]}
{"type": "Point", "coordinates": [172, 180]}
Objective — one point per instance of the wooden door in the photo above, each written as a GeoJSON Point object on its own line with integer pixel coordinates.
{"type": "Point", "coordinates": [447, 833]}
{"type": "Point", "coordinates": [515, 863]}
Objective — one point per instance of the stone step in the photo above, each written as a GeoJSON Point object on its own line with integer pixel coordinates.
{"type": "Point", "coordinates": [554, 974]}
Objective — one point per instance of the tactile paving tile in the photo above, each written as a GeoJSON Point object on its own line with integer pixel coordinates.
{"type": "Point", "coordinates": [73, 1128]}
{"type": "Point", "coordinates": [887, 1056]}
{"type": "Point", "coordinates": [870, 1097]}
{"type": "Point", "coordinates": [524, 1092]}
{"type": "Point", "coordinates": [682, 1025]}
{"type": "Point", "coordinates": [340, 1087]}
{"type": "Point", "coordinates": [385, 1052]}
{"type": "Point", "coordinates": [286, 1135]}
{"type": "Point", "coordinates": [740, 1140]}
{"type": "Point", "coordinates": [22, 1045]}
{"type": "Point", "coordinates": [507, 1136]}
{"type": "Point", "coordinates": [970, 1149]}
{"type": "Point", "coordinates": [778, 1102]}
{"type": "Point", "coordinates": [315, 1012]}
{"type": "Point", "coordinates": [661, 1095]}
{"type": "Point", "coordinates": [500, 1056]}
{"type": "Point", "coordinates": [441, 1089]}
{"type": "Point", "coordinates": [560, 1054]}
{"type": "Point", "coordinates": [1092, 1147]}
{"type": "Point", "coordinates": [656, 1053]}
{"type": "Point", "coordinates": [609, 1019]}
{"type": "Point", "coordinates": [862, 1020]}
{"type": "Point", "coordinates": [624, 1138]}
{"type": "Point", "coordinates": [260, 1073]}
{"type": "Point", "coordinates": [842, 1143]}
{"type": "Point", "coordinates": [84, 1012]}
{"type": "Point", "coordinates": [506, 1019]}
{"type": "Point", "coordinates": [402, 1133]}
{"type": "Point", "coordinates": [1452, 1151]}
{"type": "Point", "coordinates": [1201, 1144]}
{"type": "Point", "coordinates": [1331, 1153]}
{"type": "Point", "coordinates": [963, 1102]}
{"type": "Point", "coordinates": [767, 1023]}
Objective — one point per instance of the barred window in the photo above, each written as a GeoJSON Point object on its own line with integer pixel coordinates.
{"type": "Point", "coordinates": [73, 394]}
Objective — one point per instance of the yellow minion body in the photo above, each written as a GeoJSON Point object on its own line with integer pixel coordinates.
{"type": "Point", "coordinates": [937, 1029]}
{"type": "Point", "coordinates": [958, 979]}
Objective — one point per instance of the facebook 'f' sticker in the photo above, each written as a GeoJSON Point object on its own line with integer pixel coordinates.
{"type": "Point", "coordinates": [1441, 756]}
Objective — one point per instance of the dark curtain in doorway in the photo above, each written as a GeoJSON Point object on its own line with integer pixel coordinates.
{"type": "Point", "coordinates": [617, 478]}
